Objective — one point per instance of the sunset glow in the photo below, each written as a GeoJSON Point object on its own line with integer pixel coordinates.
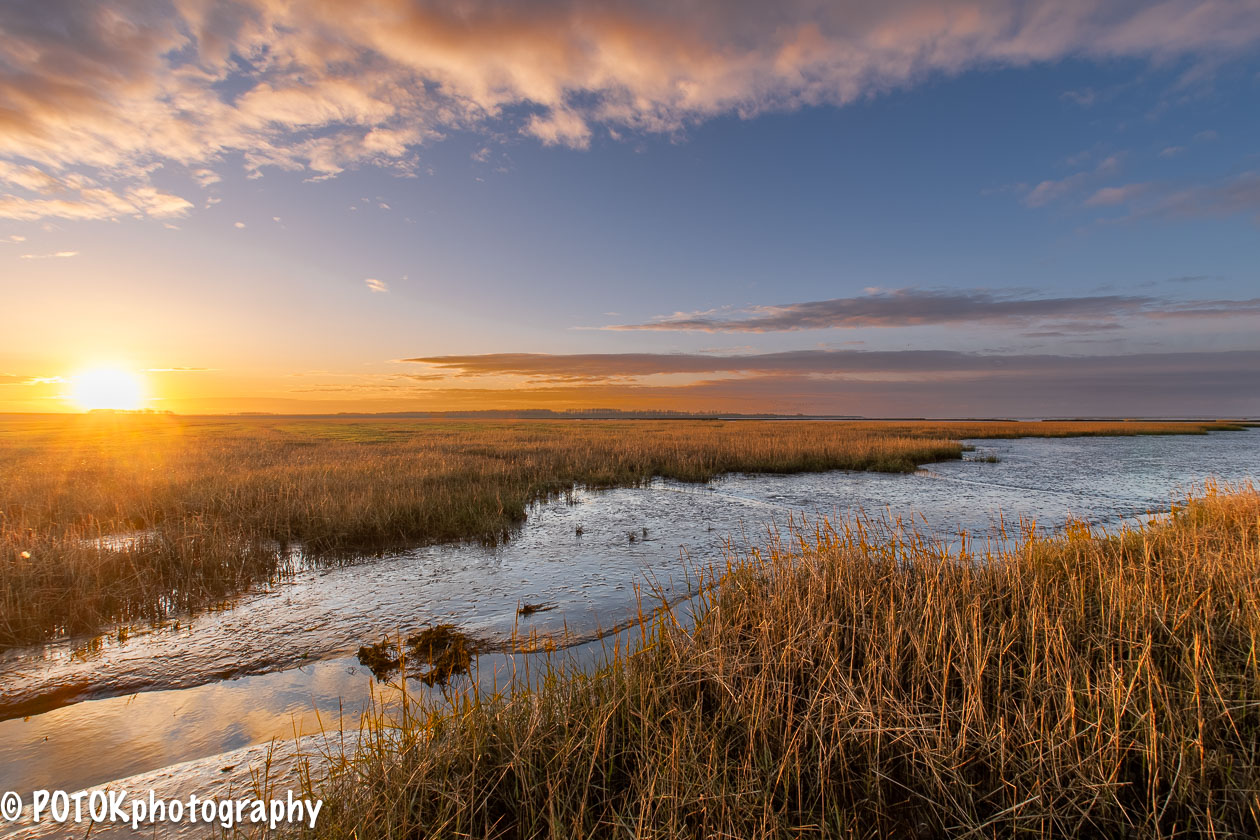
{"type": "Point", "coordinates": [107, 388]}
{"type": "Point", "coordinates": [1015, 208]}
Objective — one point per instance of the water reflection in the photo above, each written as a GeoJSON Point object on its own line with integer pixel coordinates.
{"type": "Point", "coordinates": [100, 740]}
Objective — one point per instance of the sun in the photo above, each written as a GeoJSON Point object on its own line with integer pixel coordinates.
{"type": "Point", "coordinates": [107, 388]}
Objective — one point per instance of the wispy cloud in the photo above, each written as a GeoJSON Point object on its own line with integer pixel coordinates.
{"type": "Point", "coordinates": [1049, 191]}
{"type": "Point", "coordinates": [916, 307]}
{"type": "Point", "coordinates": [95, 203]}
{"type": "Point", "coordinates": [54, 255]}
{"type": "Point", "coordinates": [206, 177]}
{"type": "Point", "coordinates": [1109, 196]}
{"type": "Point", "coordinates": [304, 86]}
{"type": "Point", "coordinates": [1072, 328]}
{"type": "Point", "coordinates": [375, 285]}
{"type": "Point", "coordinates": [14, 379]}
{"type": "Point", "coordinates": [1084, 97]}
{"type": "Point", "coordinates": [1232, 196]}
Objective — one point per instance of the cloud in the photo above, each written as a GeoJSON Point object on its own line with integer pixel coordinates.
{"type": "Point", "coordinates": [179, 370]}
{"type": "Point", "coordinates": [58, 254]}
{"type": "Point", "coordinates": [1171, 151]}
{"type": "Point", "coordinates": [916, 363]}
{"type": "Point", "coordinates": [206, 177]}
{"type": "Point", "coordinates": [1110, 196]}
{"type": "Point", "coordinates": [1070, 329]}
{"type": "Point", "coordinates": [74, 195]}
{"type": "Point", "coordinates": [1084, 97]}
{"type": "Point", "coordinates": [1209, 309]}
{"type": "Point", "coordinates": [1235, 195]}
{"type": "Point", "coordinates": [901, 383]}
{"type": "Point", "coordinates": [116, 88]}
{"type": "Point", "coordinates": [916, 307]}
{"type": "Point", "coordinates": [1049, 191]}
{"type": "Point", "coordinates": [95, 203]}
{"type": "Point", "coordinates": [1195, 278]}
{"type": "Point", "coordinates": [14, 379]}
{"type": "Point", "coordinates": [1192, 392]}
{"type": "Point", "coordinates": [561, 127]}
{"type": "Point", "coordinates": [1239, 194]}
{"type": "Point", "coordinates": [28, 177]}
{"type": "Point", "coordinates": [375, 285]}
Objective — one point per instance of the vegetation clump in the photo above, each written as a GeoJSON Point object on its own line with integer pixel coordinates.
{"type": "Point", "coordinates": [444, 649]}
{"type": "Point", "coordinates": [859, 681]}
{"type": "Point", "coordinates": [434, 654]}
{"type": "Point", "coordinates": [381, 658]}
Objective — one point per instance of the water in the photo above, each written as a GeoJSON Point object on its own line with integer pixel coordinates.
{"type": "Point", "coordinates": [280, 662]}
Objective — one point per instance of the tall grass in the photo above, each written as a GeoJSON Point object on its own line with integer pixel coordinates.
{"type": "Point", "coordinates": [213, 502]}
{"type": "Point", "coordinates": [852, 682]}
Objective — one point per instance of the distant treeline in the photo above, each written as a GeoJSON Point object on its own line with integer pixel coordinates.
{"type": "Point", "coordinates": [587, 414]}
{"type": "Point", "coordinates": [647, 414]}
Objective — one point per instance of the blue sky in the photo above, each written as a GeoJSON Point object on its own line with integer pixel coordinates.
{"type": "Point", "coordinates": [1008, 182]}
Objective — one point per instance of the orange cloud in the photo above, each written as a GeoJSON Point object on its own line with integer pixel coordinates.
{"type": "Point", "coordinates": [118, 87]}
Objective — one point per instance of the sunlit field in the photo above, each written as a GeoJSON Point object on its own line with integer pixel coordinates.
{"type": "Point", "coordinates": [203, 508]}
{"type": "Point", "coordinates": [850, 681]}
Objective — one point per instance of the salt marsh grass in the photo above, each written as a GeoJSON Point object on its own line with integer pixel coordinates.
{"type": "Point", "coordinates": [208, 506]}
{"type": "Point", "coordinates": [859, 681]}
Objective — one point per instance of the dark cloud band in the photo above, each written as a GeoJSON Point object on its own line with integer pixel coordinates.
{"type": "Point", "coordinates": [924, 364]}
{"type": "Point", "coordinates": [914, 307]}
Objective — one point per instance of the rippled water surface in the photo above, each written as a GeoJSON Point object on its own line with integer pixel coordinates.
{"type": "Point", "coordinates": [281, 662]}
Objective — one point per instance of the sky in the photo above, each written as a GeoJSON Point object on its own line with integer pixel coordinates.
{"type": "Point", "coordinates": [893, 208]}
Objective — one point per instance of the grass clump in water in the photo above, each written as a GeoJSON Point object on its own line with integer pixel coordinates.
{"type": "Point", "coordinates": [860, 681]}
{"type": "Point", "coordinates": [382, 658]}
{"type": "Point", "coordinates": [444, 649]}
{"type": "Point", "coordinates": [435, 654]}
